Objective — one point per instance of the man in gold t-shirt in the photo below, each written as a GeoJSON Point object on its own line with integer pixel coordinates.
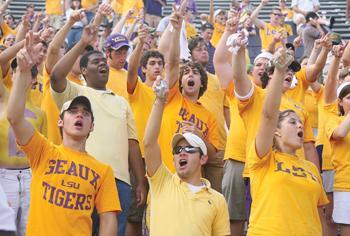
{"type": "Point", "coordinates": [67, 182]}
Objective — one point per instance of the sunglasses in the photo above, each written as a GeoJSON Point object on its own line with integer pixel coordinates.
{"type": "Point", "coordinates": [187, 149]}
{"type": "Point", "coordinates": [277, 14]}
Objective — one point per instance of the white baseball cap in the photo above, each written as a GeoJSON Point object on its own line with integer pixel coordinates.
{"type": "Point", "coordinates": [218, 11]}
{"type": "Point", "coordinates": [192, 139]}
{"type": "Point", "coordinates": [266, 55]}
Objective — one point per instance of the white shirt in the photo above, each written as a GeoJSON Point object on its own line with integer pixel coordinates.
{"type": "Point", "coordinates": [306, 5]}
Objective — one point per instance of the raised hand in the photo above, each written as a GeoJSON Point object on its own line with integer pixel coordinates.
{"type": "Point", "coordinates": [325, 42]}
{"type": "Point", "coordinates": [232, 22]}
{"type": "Point", "coordinates": [264, 2]}
{"type": "Point", "coordinates": [338, 50]}
{"type": "Point", "coordinates": [161, 88]}
{"type": "Point", "coordinates": [26, 57]}
{"type": "Point", "coordinates": [76, 16]}
{"type": "Point", "coordinates": [89, 34]}
{"type": "Point", "coordinates": [105, 9]}
{"type": "Point", "coordinates": [282, 58]}
{"type": "Point", "coordinates": [176, 17]}
{"type": "Point", "coordinates": [142, 34]}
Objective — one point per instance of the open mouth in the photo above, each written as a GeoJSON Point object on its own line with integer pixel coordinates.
{"type": "Point", "coordinates": [300, 134]}
{"type": "Point", "coordinates": [288, 79]}
{"type": "Point", "coordinates": [182, 162]}
{"type": "Point", "coordinates": [78, 124]}
{"type": "Point", "coordinates": [102, 69]}
{"type": "Point", "coordinates": [190, 83]}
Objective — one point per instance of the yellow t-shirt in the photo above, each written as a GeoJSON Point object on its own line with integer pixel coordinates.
{"type": "Point", "coordinates": [88, 3]}
{"type": "Point", "coordinates": [213, 100]}
{"type": "Point", "coordinates": [36, 92]}
{"type": "Point", "coordinates": [217, 33]}
{"type": "Point", "coordinates": [289, 13]}
{"type": "Point", "coordinates": [114, 125]}
{"type": "Point", "coordinates": [54, 7]}
{"type": "Point", "coordinates": [322, 138]}
{"type": "Point", "coordinates": [141, 102]}
{"type": "Point", "coordinates": [341, 154]}
{"type": "Point", "coordinates": [177, 110]}
{"type": "Point", "coordinates": [66, 186]}
{"type": "Point", "coordinates": [76, 79]}
{"type": "Point", "coordinates": [122, 6]}
{"type": "Point", "coordinates": [191, 31]}
{"type": "Point", "coordinates": [10, 155]}
{"type": "Point", "coordinates": [176, 210]}
{"type": "Point", "coordinates": [117, 82]}
{"type": "Point", "coordinates": [298, 92]}
{"type": "Point", "coordinates": [311, 107]}
{"type": "Point", "coordinates": [237, 135]}
{"type": "Point", "coordinates": [266, 34]}
{"type": "Point", "coordinates": [6, 30]}
{"type": "Point", "coordinates": [286, 193]}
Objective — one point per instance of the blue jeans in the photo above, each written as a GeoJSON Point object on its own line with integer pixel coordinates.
{"type": "Point", "coordinates": [124, 192]}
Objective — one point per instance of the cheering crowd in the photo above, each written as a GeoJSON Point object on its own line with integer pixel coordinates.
{"type": "Point", "coordinates": [115, 120]}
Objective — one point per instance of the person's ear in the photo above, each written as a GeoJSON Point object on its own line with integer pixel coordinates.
{"type": "Point", "coordinates": [60, 123]}
{"type": "Point", "coordinates": [277, 133]}
{"type": "Point", "coordinates": [203, 159]}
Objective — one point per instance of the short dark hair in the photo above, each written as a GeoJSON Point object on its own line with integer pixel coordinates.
{"type": "Point", "coordinates": [344, 92]}
{"type": "Point", "coordinates": [310, 15]}
{"type": "Point", "coordinates": [85, 58]}
{"type": "Point", "coordinates": [204, 77]}
{"type": "Point", "coordinates": [194, 42]}
{"type": "Point", "coordinates": [148, 54]}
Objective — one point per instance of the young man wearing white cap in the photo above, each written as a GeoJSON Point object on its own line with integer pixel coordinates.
{"type": "Point", "coordinates": [67, 182]}
{"type": "Point", "coordinates": [182, 203]}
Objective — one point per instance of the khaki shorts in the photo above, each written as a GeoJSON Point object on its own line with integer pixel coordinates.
{"type": "Point", "coordinates": [328, 180]}
{"type": "Point", "coordinates": [135, 213]}
{"type": "Point", "coordinates": [233, 189]}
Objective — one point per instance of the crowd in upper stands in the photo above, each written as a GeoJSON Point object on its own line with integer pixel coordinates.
{"type": "Point", "coordinates": [116, 119]}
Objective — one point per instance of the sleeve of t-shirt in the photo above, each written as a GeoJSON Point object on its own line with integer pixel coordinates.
{"type": "Point", "coordinates": [107, 196]}
{"type": "Point", "coordinates": [131, 124]}
{"type": "Point", "coordinates": [159, 180]}
{"type": "Point", "coordinates": [221, 224]}
{"type": "Point", "coordinates": [254, 161]}
{"type": "Point", "coordinates": [36, 150]}
{"type": "Point", "coordinates": [332, 121]}
{"type": "Point", "coordinates": [72, 90]}
{"type": "Point", "coordinates": [301, 76]}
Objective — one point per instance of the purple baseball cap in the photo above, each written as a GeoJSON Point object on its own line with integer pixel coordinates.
{"type": "Point", "coordinates": [116, 41]}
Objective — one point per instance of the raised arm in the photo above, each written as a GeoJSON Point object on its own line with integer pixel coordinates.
{"type": "Point", "coordinates": [53, 54]}
{"type": "Point", "coordinates": [330, 88]}
{"type": "Point", "coordinates": [313, 71]}
{"type": "Point", "coordinates": [104, 10]}
{"type": "Point", "coordinates": [222, 57]}
{"type": "Point", "coordinates": [120, 24]}
{"type": "Point", "coordinates": [343, 129]}
{"type": "Point", "coordinates": [4, 6]}
{"type": "Point", "coordinates": [7, 55]}
{"type": "Point", "coordinates": [346, 56]}
{"type": "Point", "coordinates": [268, 123]}
{"type": "Point", "coordinates": [211, 12]}
{"type": "Point", "coordinates": [65, 64]}
{"type": "Point", "coordinates": [23, 28]}
{"type": "Point", "coordinates": [254, 16]}
{"type": "Point", "coordinates": [174, 52]}
{"type": "Point", "coordinates": [153, 157]}
{"type": "Point", "coordinates": [16, 104]}
{"type": "Point", "coordinates": [240, 77]}
{"type": "Point", "coordinates": [134, 60]}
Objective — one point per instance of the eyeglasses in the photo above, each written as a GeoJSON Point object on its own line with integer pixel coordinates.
{"type": "Point", "coordinates": [187, 149]}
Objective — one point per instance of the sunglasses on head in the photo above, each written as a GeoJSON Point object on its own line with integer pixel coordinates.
{"type": "Point", "coordinates": [187, 149]}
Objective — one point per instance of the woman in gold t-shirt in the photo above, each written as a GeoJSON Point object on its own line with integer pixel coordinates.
{"type": "Point", "coordinates": [286, 189]}
{"type": "Point", "coordinates": [337, 129]}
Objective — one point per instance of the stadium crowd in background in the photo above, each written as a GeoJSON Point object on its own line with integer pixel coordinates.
{"type": "Point", "coordinates": [118, 120]}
